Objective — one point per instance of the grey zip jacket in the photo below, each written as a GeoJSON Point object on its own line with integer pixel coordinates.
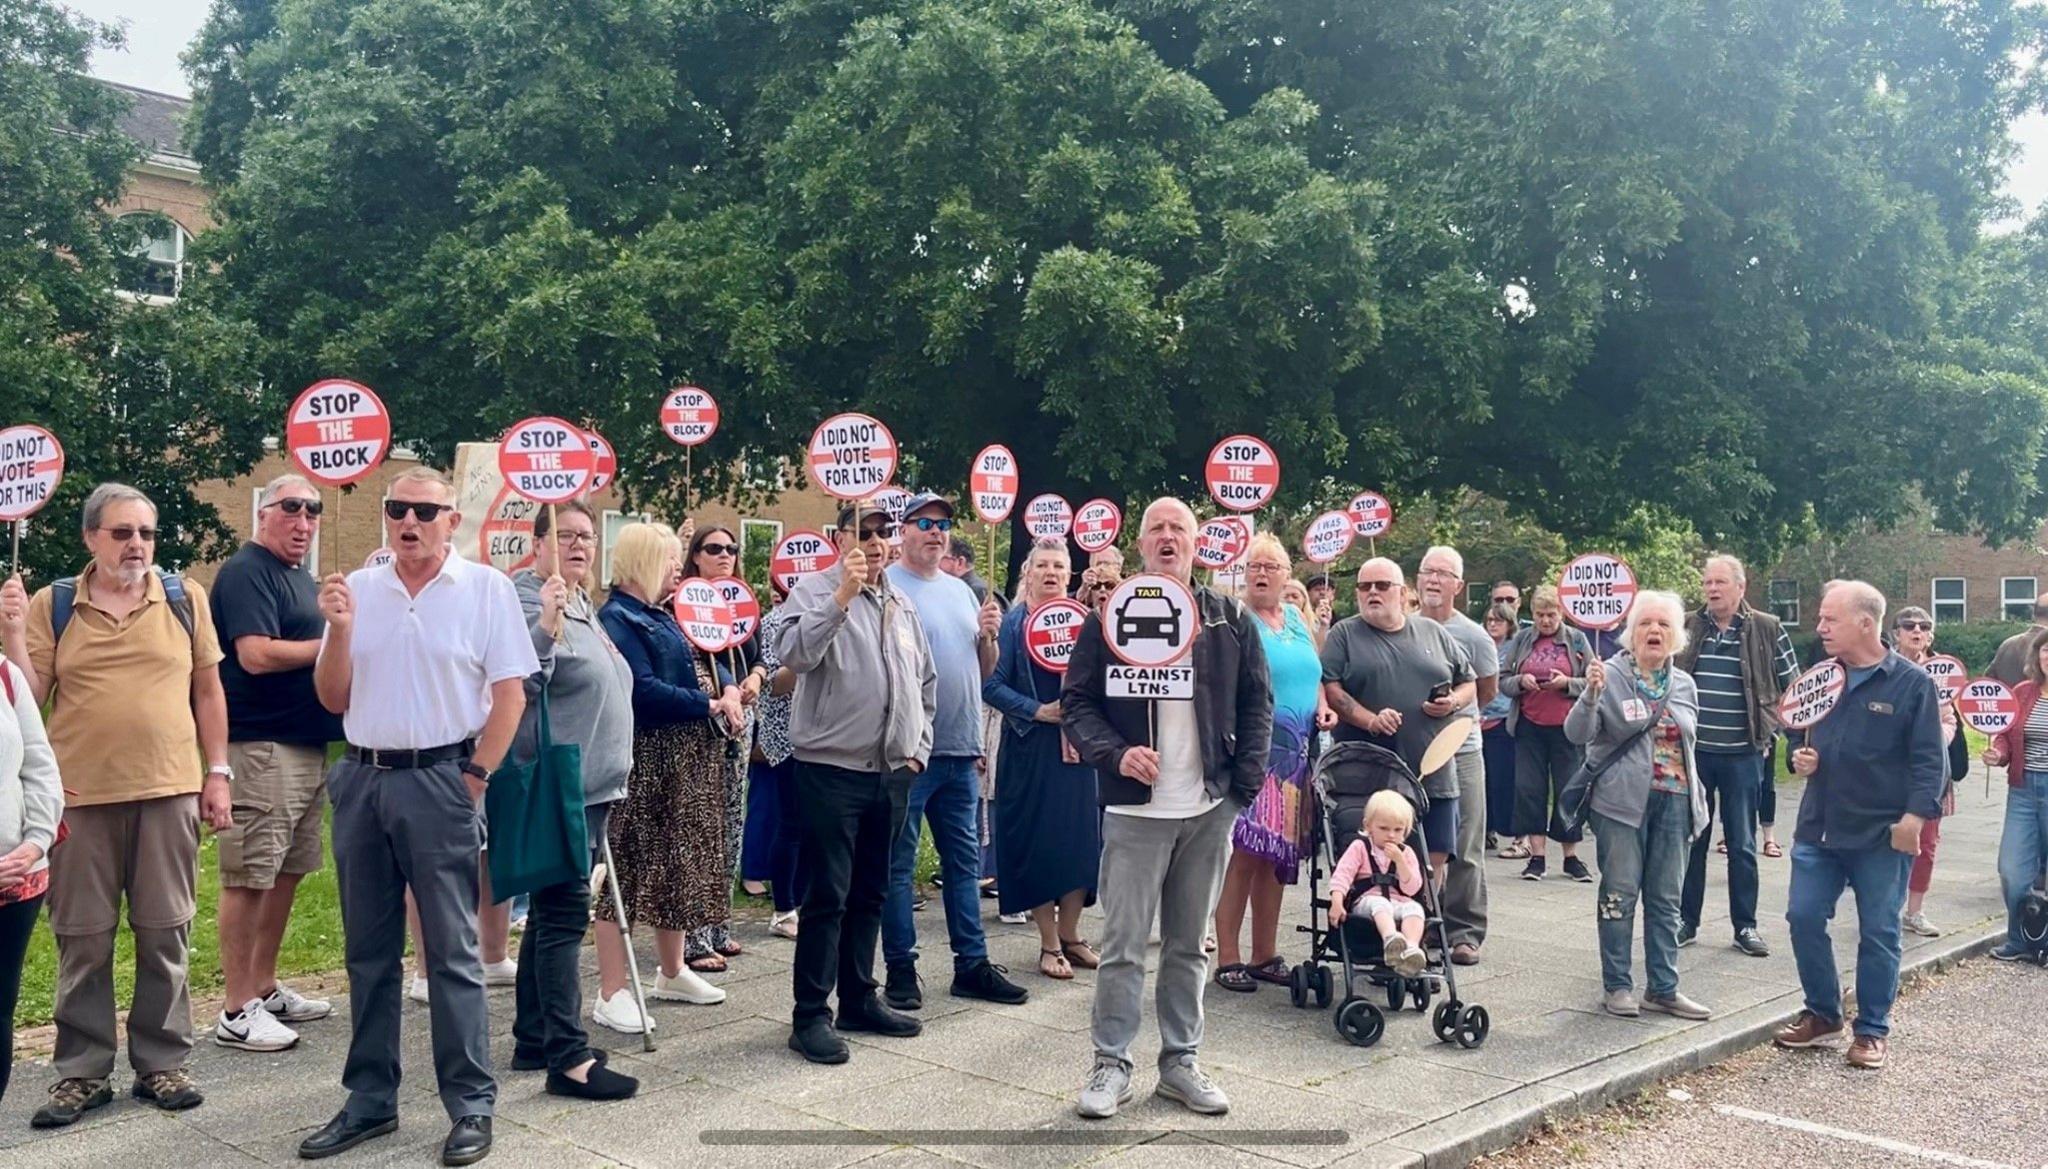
{"type": "Point", "coordinates": [866, 691]}
{"type": "Point", "coordinates": [1603, 725]}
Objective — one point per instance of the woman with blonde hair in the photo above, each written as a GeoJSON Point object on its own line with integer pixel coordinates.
{"type": "Point", "coordinates": [668, 837]}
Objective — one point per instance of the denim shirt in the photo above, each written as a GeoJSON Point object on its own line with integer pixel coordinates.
{"type": "Point", "coordinates": [1019, 685]}
{"type": "Point", "coordinates": [665, 690]}
{"type": "Point", "coordinates": [1881, 756]}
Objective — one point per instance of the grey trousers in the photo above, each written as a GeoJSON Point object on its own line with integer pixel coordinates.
{"type": "Point", "coordinates": [417, 828]}
{"type": "Point", "coordinates": [1464, 900]}
{"type": "Point", "coordinates": [1172, 870]}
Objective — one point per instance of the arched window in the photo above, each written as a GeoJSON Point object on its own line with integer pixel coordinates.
{"type": "Point", "coordinates": [161, 247]}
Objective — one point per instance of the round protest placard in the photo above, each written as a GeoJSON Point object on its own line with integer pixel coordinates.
{"type": "Point", "coordinates": [993, 484]}
{"type": "Point", "coordinates": [1949, 674]}
{"type": "Point", "coordinates": [337, 432]}
{"type": "Point", "coordinates": [31, 465]}
{"type": "Point", "coordinates": [852, 456]}
{"type": "Point", "coordinates": [1596, 590]}
{"type": "Point", "coordinates": [1328, 537]}
{"type": "Point", "coordinates": [689, 415]}
{"type": "Point", "coordinates": [746, 609]}
{"type": "Point", "coordinates": [604, 461]}
{"type": "Point", "coordinates": [546, 460]}
{"type": "Point", "coordinates": [799, 555]}
{"type": "Point", "coordinates": [1096, 524]}
{"type": "Point", "coordinates": [1050, 631]}
{"type": "Point", "coordinates": [1222, 542]}
{"type": "Point", "coordinates": [702, 612]}
{"type": "Point", "coordinates": [1812, 695]}
{"type": "Point", "coordinates": [379, 558]}
{"type": "Point", "coordinates": [891, 500]}
{"type": "Point", "coordinates": [1371, 515]}
{"type": "Point", "coordinates": [1243, 472]}
{"type": "Point", "coordinates": [1048, 517]}
{"type": "Point", "coordinates": [1151, 620]}
{"type": "Point", "coordinates": [1988, 707]}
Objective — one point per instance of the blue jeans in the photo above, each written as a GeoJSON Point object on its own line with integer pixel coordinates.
{"type": "Point", "coordinates": [1646, 863]}
{"type": "Point", "coordinates": [946, 794]}
{"type": "Point", "coordinates": [1878, 877]}
{"type": "Point", "coordinates": [2023, 847]}
{"type": "Point", "coordinates": [1734, 781]}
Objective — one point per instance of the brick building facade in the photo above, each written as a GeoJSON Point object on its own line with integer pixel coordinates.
{"type": "Point", "coordinates": [1956, 578]}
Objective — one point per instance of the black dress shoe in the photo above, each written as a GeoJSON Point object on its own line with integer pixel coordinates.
{"type": "Point", "coordinates": [815, 1040]}
{"type": "Point", "coordinates": [344, 1133]}
{"type": "Point", "coordinates": [468, 1142]}
{"type": "Point", "coordinates": [876, 1019]}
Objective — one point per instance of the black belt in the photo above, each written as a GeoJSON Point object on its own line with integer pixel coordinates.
{"type": "Point", "coordinates": [410, 759]}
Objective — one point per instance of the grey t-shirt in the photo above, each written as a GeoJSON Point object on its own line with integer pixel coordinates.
{"type": "Point", "coordinates": [1397, 670]}
{"type": "Point", "coordinates": [1484, 659]}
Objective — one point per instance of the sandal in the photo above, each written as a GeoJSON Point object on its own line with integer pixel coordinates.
{"type": "Point", "coordinates": [1080, 954]}
{"type": "Point", "coordinates": [1722, 848]}
{"type": "Point", "coordinates": [1516, 851]}
{"type": "Point", "coordinates": [1053, 964]}
{"type": "Point", "coordinates": [1236, 976]}
{"type": "Point", "coordinates": [1772, 848]}
{"type": "Point", "coordinates": [1274, 970]}
{"type": "Point", "coordinates": [731, 949]}
{"type": "Point", "coordinates": [707, 964]}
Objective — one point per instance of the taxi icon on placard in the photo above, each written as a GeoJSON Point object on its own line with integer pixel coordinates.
{"type": "Point", "coordinates": [1148, 617]}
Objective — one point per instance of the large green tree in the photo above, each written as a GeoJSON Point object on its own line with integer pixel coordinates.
{"type": "Point", "coordinates": [162, 398]}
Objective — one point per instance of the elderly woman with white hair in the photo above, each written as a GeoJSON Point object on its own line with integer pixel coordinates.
{"type": "Point", "coordinates": [1637, 720]}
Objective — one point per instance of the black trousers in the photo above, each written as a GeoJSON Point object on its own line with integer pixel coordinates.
{"type": "Point", "coordinates": [17, 923]}
{"type": "Point", "coordinates": [547, 994]}
{"type": "Point", "coordinates": [1544, 761]}
{"type": "Point", "coordinates": [850, 820]}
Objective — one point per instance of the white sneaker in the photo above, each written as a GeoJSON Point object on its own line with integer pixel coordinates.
{"type": "Point", "coordinates": [620, 1013]}
{"type": "Point", "coordinates": [685, 987]}
{"type": "Point", "coordinates": [417, 992]}
{"type": "Point", "coordinates": [1013, 918]}
{"type": "Point", "coordinates": [784, 925]}
{"type": "Point", "coordinates": [1918, 923]}
{"type": "Point", "coordinates": [501, 973]}
{"type": "Point", "coordinates": [256, 1030]}
{"type": "Point", "coordinates": [288, 1005]}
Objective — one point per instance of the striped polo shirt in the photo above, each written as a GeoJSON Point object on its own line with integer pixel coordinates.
{"type": "Point", "coordinates": [1724, 710]}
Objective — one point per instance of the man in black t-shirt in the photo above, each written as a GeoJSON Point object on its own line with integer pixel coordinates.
{"type": "Point", "coordinates": [265, 607]}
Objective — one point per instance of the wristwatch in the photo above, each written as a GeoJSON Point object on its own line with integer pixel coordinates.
{"type": "Point", "coordinates": [475, 771]}
{"type": "Point", "coordinates": [222, 770]}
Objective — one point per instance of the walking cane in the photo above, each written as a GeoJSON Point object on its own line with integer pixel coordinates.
{"type": "Point", "coordinates": [611, 878]}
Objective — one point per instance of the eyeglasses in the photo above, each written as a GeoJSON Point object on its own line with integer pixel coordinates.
{"type": "Point", "coordinates": [1378, 586]}
{"type": "Point", "coordinates": [1441, 572]}
{"type": "Point", "coordinates": [878, 532]}
{"type": "Point", "coordinates": [124, 534]}
{"type": "Point", "coordinates": [925, 523]}
{"type": "Point", "coordinates": [427, 513]}
{"type": "Point", "coordinates": [311, 507]}
{"type": "Point", "coordinates": [710, 549]}
{"type": "Point", "coordinates": [576, 537]}
{"type": "Point", "coordinates": [1257, 567]}
{"type": "Point", "coordinates": [1917, 626]}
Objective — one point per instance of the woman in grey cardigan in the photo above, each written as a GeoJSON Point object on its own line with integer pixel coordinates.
{"type": "Point", "coordinates": [1636, 720]}
{"type": "Point", "coordinates": [31, 804]}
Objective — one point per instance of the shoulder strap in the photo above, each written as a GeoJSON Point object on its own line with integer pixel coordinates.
{"type": "Point", "coordinates": [180, 600]}
{"type": "Point", "coordinates": [64, 597]}
{"type": "Point", "coordinates": [1607, 760]}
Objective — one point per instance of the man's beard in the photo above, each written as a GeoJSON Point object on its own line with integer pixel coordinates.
{"type": "Point", "coordinates": [131, 575]}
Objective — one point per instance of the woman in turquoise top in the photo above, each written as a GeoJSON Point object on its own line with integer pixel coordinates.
{"type": "Point", "coordinates": [1271, 836]}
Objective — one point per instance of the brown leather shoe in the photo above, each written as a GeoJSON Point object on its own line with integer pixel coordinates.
{"type": "Point", "coordinates": [1464, 954]}
{"type": "Point", "coordinates": [1808, 1030]}
{"type": "Point", "coordinates": [1866, 1051]}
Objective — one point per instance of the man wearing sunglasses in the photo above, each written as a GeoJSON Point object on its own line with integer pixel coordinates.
{"type": "Point", "coordinates": [135, 704]}
{"type": "Point", "coordinates": [860, 727]}
{"type": "Point", "coordinates": [962, 637]}
{"type": "Point", "coordinates": [267, 608]}
{"type": "Point", "coordinates": [425, 659]}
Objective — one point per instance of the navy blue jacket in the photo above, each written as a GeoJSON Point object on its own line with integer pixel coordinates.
{"type": "Point", "coordinates": [1881, 756]}
{"type": "Point", "coordinates": [665, 689]}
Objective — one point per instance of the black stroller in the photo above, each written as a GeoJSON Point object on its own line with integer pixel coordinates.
{"type": "Point", "coordinates": [1345, 778]}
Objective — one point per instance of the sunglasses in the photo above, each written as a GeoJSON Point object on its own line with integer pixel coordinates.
{"type": "Point", "coordinates": [925, 523]}
{"type": "Point", "coordinates": [710, 549]}
{"type": "Point", "coordinates": [309, 507]}
{"type": "Point", "coordinates": [1377, 586]}
{"type": "Point", "coordinates": [877, 532]}
{"type": "Point", "coordinates": [124, 534]}
{"type": "Point", "coordinates": [1917, 626]}
{"type": "Point", "coordinates": [427, 513]}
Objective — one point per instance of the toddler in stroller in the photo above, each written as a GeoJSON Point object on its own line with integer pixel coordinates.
{"type": "Point", "coordinates": [1393, 878]}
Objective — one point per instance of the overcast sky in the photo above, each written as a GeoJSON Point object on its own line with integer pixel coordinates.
{"type": "Point", "coordinates": [158, 30]}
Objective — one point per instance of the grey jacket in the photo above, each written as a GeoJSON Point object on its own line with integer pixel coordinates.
{"type": "Point", "coordinates": [866, 691]}
{"type": "Point", "coordinates": [1622, 791]}
{"type": "Point", "coordinates": [31, 795]}
{"type": "Point", "coordinates": [590, 693]}
{"type": "Point", "coordinates": [1516, 653]}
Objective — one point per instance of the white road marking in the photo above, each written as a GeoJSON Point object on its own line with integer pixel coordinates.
{"type": "Point", "coordinates": [1842, 1134]}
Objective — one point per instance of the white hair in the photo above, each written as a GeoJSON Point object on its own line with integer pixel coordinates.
{"type": "Point", "coordinates": [1399, 576]}
{"type": "Point", "coordinates": [1145, 520]}
{"type": "Point", "coordinates": [277, 485]}
{"type": "Point", "coordinates": [1863, 598]}
{"type": "Point", "coordinates": [1734, 566]}
{"type": "Point", "coordinates": [1447, 552]}
{"type": "Point", "coordinates": [1674, 609]}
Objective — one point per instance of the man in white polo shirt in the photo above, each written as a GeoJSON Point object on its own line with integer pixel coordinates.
{"type": "Point", "coordinates": [425, 659]}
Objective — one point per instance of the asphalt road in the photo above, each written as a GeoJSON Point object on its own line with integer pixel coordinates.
{"type": "Point", "coordinates": [1966, 1085]}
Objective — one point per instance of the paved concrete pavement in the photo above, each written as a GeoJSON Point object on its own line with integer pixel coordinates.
{"type": "Point", "coordinates": [993, 1086]}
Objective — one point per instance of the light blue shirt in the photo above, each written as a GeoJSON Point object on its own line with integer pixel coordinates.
{"type": "Point", "coordinates": [952, 625]}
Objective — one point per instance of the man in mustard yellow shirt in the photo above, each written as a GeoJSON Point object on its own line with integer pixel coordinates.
{"type": "Point", "coordinates": [127, 656]}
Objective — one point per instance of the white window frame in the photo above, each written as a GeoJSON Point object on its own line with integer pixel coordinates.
{"type": "Point", "coordinates": [1789, 619]}
{"type": "Point", "coordinates": [179, 238]}
{"type": "Point", "coordinates": [1936, 604]}
{"type": "Point", "coordinates": [2026, 603]}
{"type": "Point", "coordinates": [312, 564]}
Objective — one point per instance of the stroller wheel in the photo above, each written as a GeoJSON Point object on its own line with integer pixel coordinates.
{"type": "Point", "coordinates": [1360, 1023]}
{"type": "Point", "coordinates": [1396, 991]}
{"type": "Point", "coordinates": [1418, 991]}
{"type": "Point", "coordinates": [1473, 1025]}
{"type": "Point", "coordinates": [1297, 986]}
{"type": "Point", "coordinates": [1321, 980]}
{"type": "Point", "coordinates": [1445, 1021]}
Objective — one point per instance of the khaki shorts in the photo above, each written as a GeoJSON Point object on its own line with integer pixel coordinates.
{"type": "Point", "coordinates": [278, 791]}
